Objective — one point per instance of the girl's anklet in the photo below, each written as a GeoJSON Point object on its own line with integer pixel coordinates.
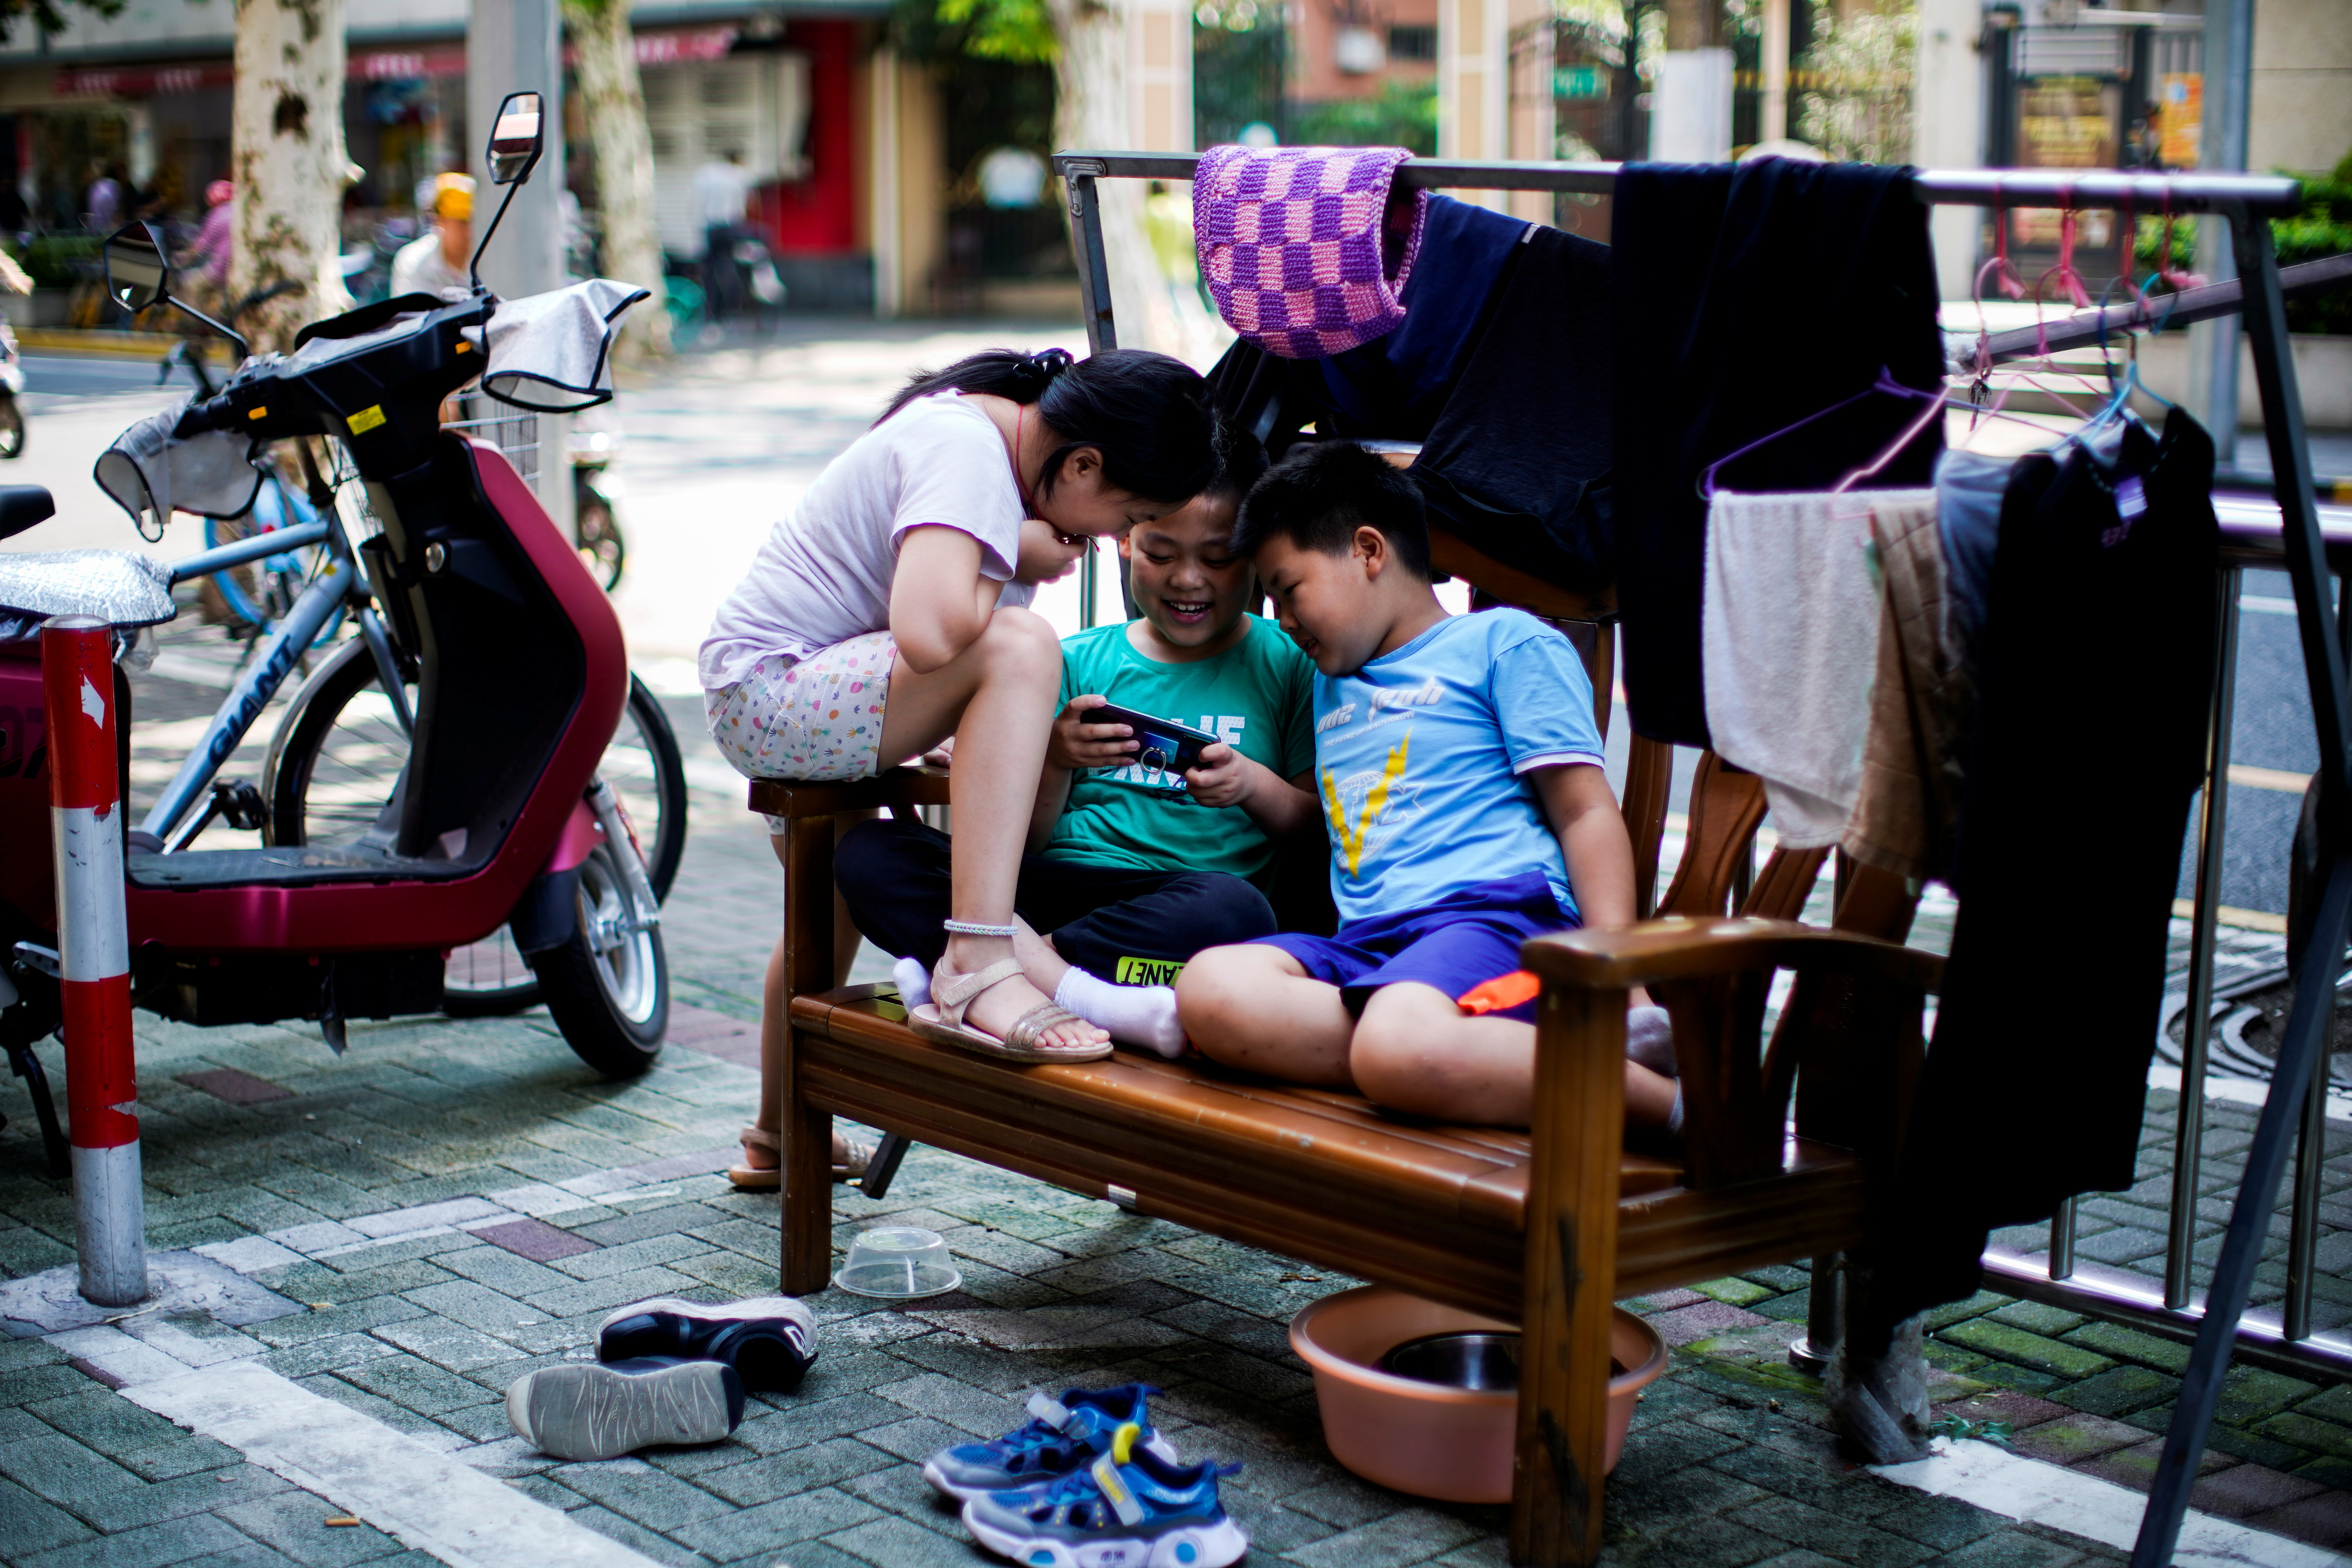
{"type": "Point", "coordinates": [968, 928]}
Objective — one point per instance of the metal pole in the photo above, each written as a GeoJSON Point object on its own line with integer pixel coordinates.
{"type": "Point", "coordinates": [1824, 1315]}
{"type": "Point", "coordinates": [512, 46]}
{"type": "Point", "coordinates": [1086, 238]}
{"type": "Point", "coordinates": [2310, 1161]}
{"type": "Point", "coordinates": [2188, 1133]}
{"type": "Point", "coordinates": [2228, 75]}
{"type": "Point", "coordinates": [2312, 1019]}
{"type": "Point", "coordinates": [2242, 1244]}
{"type": "Point", "coordinates": [94, 958]}
{"type": "Point", "coordinates": [2062, 1240]}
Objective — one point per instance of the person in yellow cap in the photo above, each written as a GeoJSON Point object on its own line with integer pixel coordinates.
{"type": "Point", "coordinates": [434, 263]}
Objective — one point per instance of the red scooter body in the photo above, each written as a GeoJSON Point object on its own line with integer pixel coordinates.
{"type": "Point", "coordinates": [523, 675]}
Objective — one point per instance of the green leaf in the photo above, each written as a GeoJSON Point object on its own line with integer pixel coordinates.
{"type": "Point", "coordinates": [1019, 31]}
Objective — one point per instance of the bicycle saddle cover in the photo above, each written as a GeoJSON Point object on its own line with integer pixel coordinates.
{"type": "Point", "coordinates": [124, 590]}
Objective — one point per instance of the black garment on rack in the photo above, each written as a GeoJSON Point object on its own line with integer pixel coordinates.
{"type": "Point", "coordinates": [2094, 682]}
{"type": "Point", "coordinates": [1517, 464]}
{"type": "Point", "coordinates": [1395, 386]}
{"type": "Point", "coordinates": [1748, 296]}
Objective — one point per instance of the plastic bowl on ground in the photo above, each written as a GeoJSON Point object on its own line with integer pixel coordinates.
{"type": "Point", "coordinates": [898, 1262]}
{"type": "Point", "coordinates": [1450, 1443]}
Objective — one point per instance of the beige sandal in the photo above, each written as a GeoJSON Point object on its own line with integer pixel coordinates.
{"type": "Point", "coordinates": [753, 1178]}
{"type": "Point", "coordinates": [942, 1019]}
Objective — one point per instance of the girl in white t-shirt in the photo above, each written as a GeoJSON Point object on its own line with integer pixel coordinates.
{"type": "Point", "coordinates": [888, 613]}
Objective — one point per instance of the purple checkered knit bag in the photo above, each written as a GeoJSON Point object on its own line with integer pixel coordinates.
{"type": "Point", "coordinates": [1302, 248]}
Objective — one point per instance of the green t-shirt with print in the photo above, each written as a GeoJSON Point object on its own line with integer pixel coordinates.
{"type": "Point", "coordinates": [1258, 696]}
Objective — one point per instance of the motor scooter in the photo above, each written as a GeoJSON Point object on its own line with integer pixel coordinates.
{"type": "Point", "coordinates": [497, 651]}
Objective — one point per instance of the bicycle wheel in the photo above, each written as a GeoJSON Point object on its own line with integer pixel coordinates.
{"type": "Point", "coordinates": [338, 756]}
{"type": "Point", "coordinates": [12, 428]}
{"type": "Point", "coordinates": [601, 549]}
{"type": "Point", "coordinates": [260, 592]}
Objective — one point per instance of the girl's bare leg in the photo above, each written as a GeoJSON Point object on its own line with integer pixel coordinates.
{"type": "Point", "coordinates": [774, 1022]}
{"type": "Point", "coordinates": [997, 699]}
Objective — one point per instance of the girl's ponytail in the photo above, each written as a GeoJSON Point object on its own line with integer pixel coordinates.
{"type": "Point", "coordinates": [1147, 414]}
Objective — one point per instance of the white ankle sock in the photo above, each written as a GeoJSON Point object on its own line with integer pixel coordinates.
{"type": "Point", "coordinates": [1132, 1015]}
{"type": "Point", "coordinates": [914, 982]}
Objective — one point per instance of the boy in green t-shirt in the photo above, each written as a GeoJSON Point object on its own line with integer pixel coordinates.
{"type": "Point", "coordinates": [1131, 871]}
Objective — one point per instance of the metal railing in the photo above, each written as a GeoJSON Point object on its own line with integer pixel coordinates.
{"type": "Point", "coordinates": [2279, 1337]}
{"type": "Point", "coordinates": [2299, 543]}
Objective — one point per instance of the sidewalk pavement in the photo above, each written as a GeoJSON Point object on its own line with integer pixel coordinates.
{"type": "Point", "coordinates": [454, 1203]}
{"type": "Point", "coordinates": [386, 1240]}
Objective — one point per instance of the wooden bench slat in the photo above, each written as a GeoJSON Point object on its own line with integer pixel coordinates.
{"type": "Point", "coordinates": [1436, 1215]}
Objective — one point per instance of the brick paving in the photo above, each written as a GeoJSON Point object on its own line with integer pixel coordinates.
{"type": "Point", "coordinates": [454, 1203]}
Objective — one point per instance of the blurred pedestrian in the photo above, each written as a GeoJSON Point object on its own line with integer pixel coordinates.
{"type": "Point", "coordinates": [215, 235]}
{"type": "Point", "coordinates": [722, 192]}
{"type": "Point", "coordinates": [103, 204]}
{"type": "Point", "coordinates": [438, 263]}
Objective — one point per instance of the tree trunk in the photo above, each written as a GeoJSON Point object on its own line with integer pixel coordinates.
{"type": "Point", "coordinates": [1091, 113]}
{"type": "Point", "coordinates": [290, 167]}
{"type": "Point", "coordinates": [615, 99]}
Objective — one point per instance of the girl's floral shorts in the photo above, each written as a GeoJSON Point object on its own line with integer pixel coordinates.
{"type": "Point", "coordinates": [818, 719]}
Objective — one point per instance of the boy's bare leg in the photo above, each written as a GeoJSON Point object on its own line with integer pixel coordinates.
{"type": "Point", "coordinates": [1416, 1052]}
{"type": "Point", "coordinates": [1253, 1006]}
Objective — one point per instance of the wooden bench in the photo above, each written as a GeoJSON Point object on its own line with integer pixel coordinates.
{"type": "Point", "coordinates": [1546, 1227]}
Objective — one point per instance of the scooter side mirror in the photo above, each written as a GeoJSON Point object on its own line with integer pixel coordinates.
{"type": "Point", "coordinates": [516, 139]}
{"type": "Point", "coordinates": [137, 275]}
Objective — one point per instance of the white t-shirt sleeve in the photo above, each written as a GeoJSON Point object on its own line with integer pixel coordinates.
{"type": "Point", "coordinates": [953, 473]}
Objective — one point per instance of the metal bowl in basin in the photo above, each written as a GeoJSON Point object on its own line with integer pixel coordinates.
{"type": "Point", "coordinates": [1466, 1359]}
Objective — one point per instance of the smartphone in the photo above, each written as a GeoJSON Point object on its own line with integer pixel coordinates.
{"type": "Point", "coordinates": [1165, 746]}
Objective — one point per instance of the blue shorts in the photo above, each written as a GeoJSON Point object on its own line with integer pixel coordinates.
{"type": "Point", "coordinates": [1463, 940]}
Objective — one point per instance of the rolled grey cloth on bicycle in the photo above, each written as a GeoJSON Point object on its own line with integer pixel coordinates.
{"type": "Point", "coordinates": [553, 353]}
{"type": "Point", "coordinates": [211, 475]}
{"type": "Point", "coordinates": [117, 587]}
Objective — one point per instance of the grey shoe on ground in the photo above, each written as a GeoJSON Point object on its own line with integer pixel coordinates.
{"type": "Point", "coordinates": [593, 1410]}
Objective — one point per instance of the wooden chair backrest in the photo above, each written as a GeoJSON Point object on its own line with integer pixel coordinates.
{"type": "Point", "coordinates": [1836, 1027]}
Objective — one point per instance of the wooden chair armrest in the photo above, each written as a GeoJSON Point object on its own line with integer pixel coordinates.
{"type": "Point", "coordinates": [1663, 951]}
{"type": "Point", "coordinates": [901, 786]}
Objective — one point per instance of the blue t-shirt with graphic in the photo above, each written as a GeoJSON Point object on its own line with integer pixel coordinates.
{"type": "Point", "coordinates": [1421, 758]}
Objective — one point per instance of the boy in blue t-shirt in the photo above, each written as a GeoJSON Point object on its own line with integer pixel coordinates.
{"type": "Point", "coordinates": [1460, 777]}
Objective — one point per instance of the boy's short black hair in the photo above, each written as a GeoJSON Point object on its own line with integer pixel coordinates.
{"type": "Point", "coordinates": [1323, 492]}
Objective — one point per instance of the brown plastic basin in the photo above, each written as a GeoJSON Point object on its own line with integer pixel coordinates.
{"type": "Point", "coordinates": [1451, 1444]}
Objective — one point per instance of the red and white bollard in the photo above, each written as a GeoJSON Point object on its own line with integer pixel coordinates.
{"type": "Point", "coordinates": [94, 958]}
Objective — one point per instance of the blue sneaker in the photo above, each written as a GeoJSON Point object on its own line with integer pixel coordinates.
{"type": "Point", "coordinates": [1065, 1434]}
{"type": "Point", "coordinates": [1131, 1509]}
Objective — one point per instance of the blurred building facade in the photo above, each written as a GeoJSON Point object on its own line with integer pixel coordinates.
{"type": "Point", "coordinates": [841, 138]}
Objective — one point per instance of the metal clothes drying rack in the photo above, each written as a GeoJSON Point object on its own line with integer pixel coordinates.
{"type": "Point", "coordinates": [2245, 202]}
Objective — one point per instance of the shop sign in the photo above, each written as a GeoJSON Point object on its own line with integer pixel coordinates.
{"type": "Point", "coordinates": [141, 81]}
{"type": "Point", "coordinates": [2181, 104]}
{"type": "Point", "coordinates": [406, 64]}
{"type": "Point", "coordinates": [1578, 82]}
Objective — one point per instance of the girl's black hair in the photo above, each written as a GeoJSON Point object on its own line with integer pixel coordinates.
{"type": "Point", "coordinates": [1241, 461]}
{"type": "Point", "coordinates": [1147, 414]}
